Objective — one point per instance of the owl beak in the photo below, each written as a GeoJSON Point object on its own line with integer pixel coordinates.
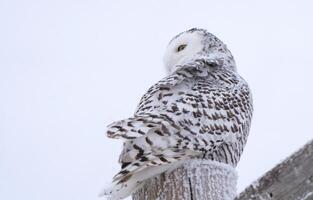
{"type": "Point", "coordinates": [214, 62]}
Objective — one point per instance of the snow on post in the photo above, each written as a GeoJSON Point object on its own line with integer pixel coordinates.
{"type": "Point", "coordinates": [195, 179]}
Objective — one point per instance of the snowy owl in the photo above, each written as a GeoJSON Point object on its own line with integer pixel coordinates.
{"type": "Point", "coordinates": [201, 109]}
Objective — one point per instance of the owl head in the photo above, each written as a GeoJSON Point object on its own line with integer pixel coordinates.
{"type": "Point", "coordinates": [197, 44]}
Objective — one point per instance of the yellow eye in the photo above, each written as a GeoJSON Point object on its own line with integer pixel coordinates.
{"type": "Point", "coordinates": [181, 47]}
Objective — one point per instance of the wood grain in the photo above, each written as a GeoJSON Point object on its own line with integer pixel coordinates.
{"type": "Point", "coordinates": [196, 179]}
{"type": "Point", "coordinates": [290, 180]}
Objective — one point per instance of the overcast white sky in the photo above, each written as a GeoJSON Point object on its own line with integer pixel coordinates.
{"type": "Point", "coordinates": [68, 67]}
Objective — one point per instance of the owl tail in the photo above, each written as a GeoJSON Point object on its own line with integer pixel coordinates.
{"type": "Point", "coordinates": [121, 189]}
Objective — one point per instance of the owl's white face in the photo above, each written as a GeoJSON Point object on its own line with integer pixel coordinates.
{"type": "Point", "coordinates": [182, 49]}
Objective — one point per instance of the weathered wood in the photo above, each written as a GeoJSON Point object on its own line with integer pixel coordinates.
{"type": "Point", "coordinates": [290, 180]}
{"type": "Point", "coordinates": [195, 180]}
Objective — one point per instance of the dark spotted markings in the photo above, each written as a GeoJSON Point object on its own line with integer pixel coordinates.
{"type": "Point", "coordinates": [195, 109]}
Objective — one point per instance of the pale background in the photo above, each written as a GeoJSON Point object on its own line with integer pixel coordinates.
{"type": "Point", "coordinates": [69, 67]}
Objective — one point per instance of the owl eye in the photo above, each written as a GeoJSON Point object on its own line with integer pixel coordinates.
{"type": "Point", "coordinates": [181, 47]}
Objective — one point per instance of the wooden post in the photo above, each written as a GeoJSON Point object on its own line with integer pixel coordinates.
{"type": "Point", "coordinates": [290, 180]}
{"type": "Point", "coordinates": [194, 180]}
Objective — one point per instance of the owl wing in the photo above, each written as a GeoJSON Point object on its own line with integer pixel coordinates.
{"type": "Point", "coordinates": [132, 128]}
{"type": "Point", "coordinates": [171, 125]}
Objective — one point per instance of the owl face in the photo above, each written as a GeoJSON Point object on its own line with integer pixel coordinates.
{"type": "Point", "coordinates": [196, 43]}
{"type": "Point", "coordinates": [181, 49]}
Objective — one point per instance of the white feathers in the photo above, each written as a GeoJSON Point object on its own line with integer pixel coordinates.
{"type": "Point", "coordinates": [201, 110]}
{"type": "Point", "coordinates": [120, 191]}
{"type": "Point", "coordinates": [173, 58]}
